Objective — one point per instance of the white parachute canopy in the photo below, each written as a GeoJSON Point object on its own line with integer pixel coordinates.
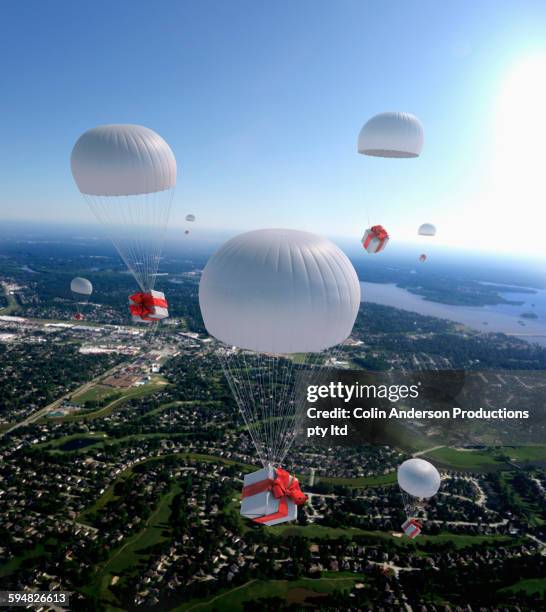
{"type": "Point", "coordinates": [418, 478]}
{"type": "Point", "coordinates": [269, 295]}
{"type": "Point", "coordinates": [190, 218]}
{"type": "Point", "coordinates": [81, 290]}
{"type": "Point", "coordinates": [279, 291]}
{"type": "Point", "coordinates": [81, 287]}
{"type": "Point", "coordinates": [427, 229]}
{"type": "Point", "coordinates": [127, 174]}
{"type": "Point", "coordinates": [391, 135]}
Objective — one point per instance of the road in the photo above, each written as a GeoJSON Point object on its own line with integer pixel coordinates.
{"type": "Point", "coordinates": [428, 450]}
{"type": "Point", "coordinates": [55, 404]}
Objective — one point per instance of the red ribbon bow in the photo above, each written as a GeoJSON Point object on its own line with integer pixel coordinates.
{"type": "Point", "coordinates": [379, 231]}
{"type": "Point", "coordinates": [143, 305]}
{"type": "Point", "coordinates": [282, 487]}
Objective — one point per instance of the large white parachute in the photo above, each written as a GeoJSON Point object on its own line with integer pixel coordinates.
{"type": "Point", "coordinates": [279, 291]}
{"type": "Point", "coordinates": [127, 174]}
{"type": "Point", "coordinates": [278, 300]}
{"type": "Point", "coordinates": [391, 135]}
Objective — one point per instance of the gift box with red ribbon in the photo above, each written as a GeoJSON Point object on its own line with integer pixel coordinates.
{"type": "Point", "coordinates": [375, 239]}
{"type": "Point", "coordinates": [148, 307]}
{"type": "Point", "coordinates": [412, 528]}
{"type": "Point", "coordinates": [271, 496]}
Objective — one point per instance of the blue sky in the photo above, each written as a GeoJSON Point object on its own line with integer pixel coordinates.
{"type": "Point", "coordinates": [262, 103]}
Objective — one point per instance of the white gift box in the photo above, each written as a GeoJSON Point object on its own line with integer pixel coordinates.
{"type": "Point", "coordinates": [372, 243]}
{"type": "Point", "coordinates": [411, 528]}
{"type": "Point", "coordinates": [159, 310]}
{"type": "Point", "coordinates": [263, 503]}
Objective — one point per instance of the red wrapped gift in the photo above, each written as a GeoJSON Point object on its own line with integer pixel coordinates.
{"type": "Point", "coordinates": [375, 239]}
{"type": "Point", "coordinates": [412, 528]}
{"type": "Point", "coordinates": [271, 496]}
{"type": "Point", "coordinates": [148, 307]}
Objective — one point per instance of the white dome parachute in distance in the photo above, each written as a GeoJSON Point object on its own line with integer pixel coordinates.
{"type": "Point", "coordinates": [268, 295]}
{"type": "Point", "coordinates": [418, 478]}
{"type": "Point", "coordinates": [190, 218]}
{"type": "Point", "coordinates": [427, 229]}
{"type": "Point", "coordinates": [81, 287]}
{"type": "Point", "coordinates": [279, 291]}
{"type": "Point", "coordinates": [81, 290]}
{"type": "Point", "coordinates": [391, 134]}
{"type": "Point", "coordinates": [127, 174]}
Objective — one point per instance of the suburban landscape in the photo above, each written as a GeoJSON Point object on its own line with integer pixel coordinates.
{"type": "Point", "coordinates": [122, 454]}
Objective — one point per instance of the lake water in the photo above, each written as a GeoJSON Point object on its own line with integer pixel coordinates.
{"type": "Point", "coordinates": [77, 443]}
{"type": "Point", "coordinates": [503, 318]}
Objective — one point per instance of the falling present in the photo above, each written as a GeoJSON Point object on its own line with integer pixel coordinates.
{"type": "Point", "coordinates": [412, 528]}
{"type": "Point", "coordinates": [148, 307]}
{"type": "Point", "coordinates": [375, 239]}
{"type": "Point", "coordinates": [271, 496]}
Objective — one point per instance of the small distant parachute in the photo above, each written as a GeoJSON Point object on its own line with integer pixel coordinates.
{"type": "Point", "coordinates": [375, 239]}
{"type": "Point", "coordinates": [418, 480]}
{"type": "Point", "coordinates": [81, 290]}
{"type": "Point", "coordinates": [422, 258]}
{"type": "Point", "coordinates": [427, 229]}
{"type": "Point", "coordinates": [391, 134]}
{"type": "Point", "coordinates": [190, 218]}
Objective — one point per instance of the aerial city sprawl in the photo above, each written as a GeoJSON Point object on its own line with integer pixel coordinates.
{"type": "Point", "coordinates": [273, 307]}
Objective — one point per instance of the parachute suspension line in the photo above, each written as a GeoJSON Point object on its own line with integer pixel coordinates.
{"type": "Point", "coordinates": [281, 367]}
{"type": "Point", "coordinates": [270, 392]}
{"type": "Point", "coordinates": [288, 410]}
{"type": "Point", "coordinates": [413, 506]}
{"type": "Point", "coordinates": [242, 399]}
{"type": "Point", "coordinates": [101, 213]}
{"type": "Point", "coordinates": [247, 402]}
{"type": "Point", "coordinates": [255, 390]}
{"type": "Point", "coordinates": [136, 226]}
{"type": "Point", "coordinates": [257, 393]}
{"type": "Point", "coordinates": [319, 365]}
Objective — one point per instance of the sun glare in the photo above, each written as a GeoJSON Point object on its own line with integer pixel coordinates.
{"type": "Point", "coordinates": [515, 186]}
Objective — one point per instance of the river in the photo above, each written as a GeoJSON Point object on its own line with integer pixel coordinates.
{"type": "Point", "coordinates": [503, 318]}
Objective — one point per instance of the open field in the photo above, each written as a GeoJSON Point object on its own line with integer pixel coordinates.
{"type": "Point", "coordinates": [473, 461]}
{"type": "Point", "coordinates": [530, 586]}
{"type": "Point", "coordinates": [293, 591]}
{"type": "Point", "coordinates": [96, 393]}
{"type": "Point", "coordinates": [127, 395]}
{"type": "Point", "coordinates": [525, 453]}
{"type": "Point", "coordinates": [360, 482]}
{"type": "Point", "coordinates": [12, 306]}
{"type": "Point", "coordinates": [15, 562]}
{"type": "Point", "coordinates": [321, 532]}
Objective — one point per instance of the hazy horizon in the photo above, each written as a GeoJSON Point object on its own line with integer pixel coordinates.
{"type": "Point", "coordinates": [262, 106]}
